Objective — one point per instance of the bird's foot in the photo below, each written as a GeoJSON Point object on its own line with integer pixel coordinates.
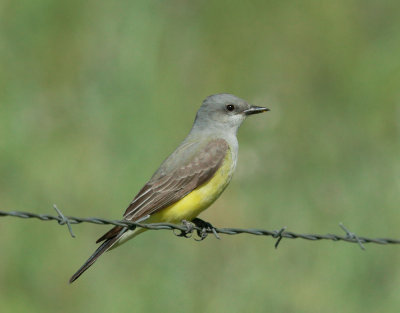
{"type": "Point", "coordinates": [186, 233]}
{"type": "Point", "coordinates": [205, 229]}
{"type": "Point", "coordinates": [202, 228]}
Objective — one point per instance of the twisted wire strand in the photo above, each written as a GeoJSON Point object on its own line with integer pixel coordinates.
{"type": "Point", "coordinates": [186, 229]}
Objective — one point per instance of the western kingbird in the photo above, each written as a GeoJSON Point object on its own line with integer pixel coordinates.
{"type": "Point", "coordinates": [192, 177]}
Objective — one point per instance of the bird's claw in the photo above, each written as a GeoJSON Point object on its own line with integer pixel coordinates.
{"type": "Point", "coordinates": [188, 232]}
{"type": "Point", "coordinates": [205, 229]}
{"type": "Point", "coordinates": [202, 228]}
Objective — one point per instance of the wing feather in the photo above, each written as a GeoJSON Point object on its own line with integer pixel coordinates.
{"type": "Point", "coordinates": [172, 181]}
{"type": "Point", "coordinates": [169, 188]}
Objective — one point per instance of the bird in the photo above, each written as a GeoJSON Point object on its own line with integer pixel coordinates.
{"type": "Point", "coordinates": [191, 178]}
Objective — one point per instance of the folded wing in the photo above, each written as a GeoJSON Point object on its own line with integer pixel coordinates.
{"type": "Point", "coordinates": [172, 182]}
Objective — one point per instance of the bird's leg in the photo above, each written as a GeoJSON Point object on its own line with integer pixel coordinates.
{"type": "Point", "coordinates": [206, 227]}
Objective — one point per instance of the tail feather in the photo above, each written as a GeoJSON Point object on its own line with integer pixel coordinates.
{"type": "Point", "coordinates": [105, 246]}
{"type": "Point", "coordinates": [110, 234]}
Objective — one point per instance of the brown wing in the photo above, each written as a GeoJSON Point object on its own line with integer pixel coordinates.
{"type": "Point", "coordinates": [163, 190]}
{"type": "Point", "coordinates": [170, 188]}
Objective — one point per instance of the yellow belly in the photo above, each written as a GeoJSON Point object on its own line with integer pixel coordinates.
{"type": "Point", "coordinates": [193, 204]}
{"type": "Point", "coordinates": [199, 199]}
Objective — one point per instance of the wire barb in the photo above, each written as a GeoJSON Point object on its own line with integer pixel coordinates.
{"type": "Point", "coordinates": [278, 234]}
{"type": "Point", "coordinates": [188, 228]}
{"type": "Point", "coordinates": [352, 236]}
{"type": "Point", "coordinates": [63, 220]}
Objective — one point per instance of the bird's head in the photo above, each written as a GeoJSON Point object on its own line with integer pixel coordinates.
{"type": "Point", "coordinates": [225, 111]}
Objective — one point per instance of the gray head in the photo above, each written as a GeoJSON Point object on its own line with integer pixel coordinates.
{"type": "Point", "coordinates": [225, 112]}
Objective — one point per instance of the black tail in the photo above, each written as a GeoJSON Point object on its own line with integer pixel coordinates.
{"type": "Point", "coordinates": [100, 250]}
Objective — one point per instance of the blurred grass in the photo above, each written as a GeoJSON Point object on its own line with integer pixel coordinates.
{"type": "Point", "coordinates": [94, 95]}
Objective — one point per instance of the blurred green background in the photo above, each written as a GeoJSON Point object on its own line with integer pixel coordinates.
{"type": "Point", "coordinates": [94, 95]}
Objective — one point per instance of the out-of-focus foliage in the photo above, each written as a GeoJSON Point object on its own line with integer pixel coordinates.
{"type": "Point", "coordinates": [95, 94]}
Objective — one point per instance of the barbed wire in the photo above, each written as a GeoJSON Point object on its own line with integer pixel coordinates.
{"type": "Point", "coordinates": [187, 229]}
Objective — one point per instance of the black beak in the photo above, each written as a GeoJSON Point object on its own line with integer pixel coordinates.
{"type": "Point", "coordinates": [255, 110]}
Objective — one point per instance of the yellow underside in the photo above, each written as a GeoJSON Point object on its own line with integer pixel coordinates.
{"type": "Point", "coordinates": [193, 204]}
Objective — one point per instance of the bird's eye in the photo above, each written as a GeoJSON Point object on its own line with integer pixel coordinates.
{"type": "Point", "coordinates": [230, 107]}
